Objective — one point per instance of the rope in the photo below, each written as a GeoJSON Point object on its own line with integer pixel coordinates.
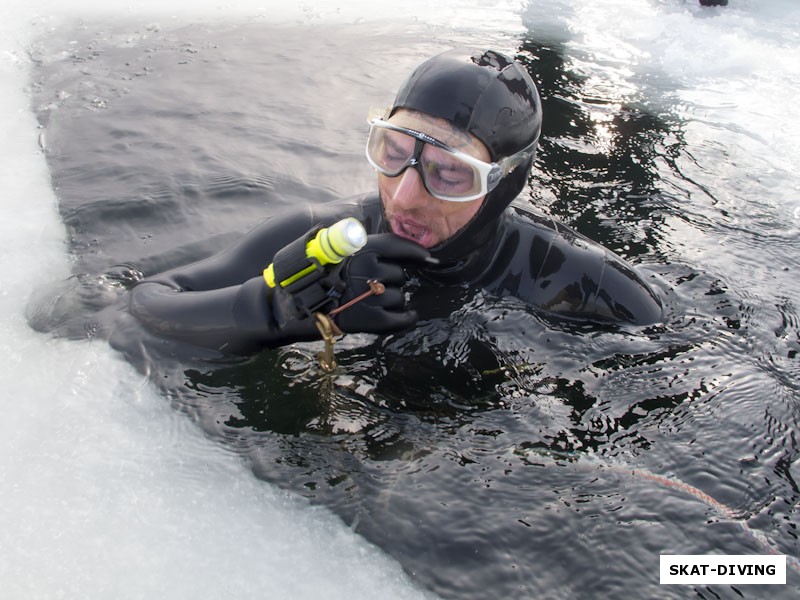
{"type": "Point", "coordinates": [723, 510]}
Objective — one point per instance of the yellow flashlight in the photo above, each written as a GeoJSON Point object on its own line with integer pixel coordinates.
{"type": "Point", "coordinates": [330, 245]}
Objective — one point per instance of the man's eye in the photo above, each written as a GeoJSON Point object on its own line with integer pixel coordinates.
{"type": "Point", "coordinates": [392, 156]}
{"type": "Point", "coordinates": [454, 177]}
{"type": "Point", "coordinates": [395, 151]}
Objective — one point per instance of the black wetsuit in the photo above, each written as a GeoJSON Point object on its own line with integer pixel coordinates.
{"type": "Point", "coordinates": [223, 302]}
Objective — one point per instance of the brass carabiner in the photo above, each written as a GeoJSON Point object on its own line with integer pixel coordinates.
{"type": "Point", "coordinates": [329, 332]}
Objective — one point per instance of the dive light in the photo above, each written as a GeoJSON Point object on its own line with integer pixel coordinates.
{"type": "Point", "coordinates": [330, 245]}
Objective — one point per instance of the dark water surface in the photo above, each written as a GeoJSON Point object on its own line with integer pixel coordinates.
{"type": "Point", "coordinates": [493, 453]}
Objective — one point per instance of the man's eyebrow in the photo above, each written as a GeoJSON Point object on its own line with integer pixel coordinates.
{"type": "Point", "coordinates": [394, 141]}
{"type": "Point", "coordinates": [460, 137]}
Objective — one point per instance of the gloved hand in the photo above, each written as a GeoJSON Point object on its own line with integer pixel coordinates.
{"type": "Point", "coordinates": [380, 259]}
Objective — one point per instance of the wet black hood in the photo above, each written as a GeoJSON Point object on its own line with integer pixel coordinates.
{"type": "Point", "coordinates": [492, 97]}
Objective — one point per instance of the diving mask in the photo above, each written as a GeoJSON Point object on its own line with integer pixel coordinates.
{"type": "Point", "coordinates": [447, 173]}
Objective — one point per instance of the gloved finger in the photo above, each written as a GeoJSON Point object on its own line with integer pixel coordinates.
{"type": "Point", "coordinates": [394, 321]}
{"type": "Point", "coordinates": [376, 320]}
{"type": "Point", "coordinates": [396, 249]}
{"type": "Point", "coordinates": [391, 299]}
{"type": "Point", "coordinates": [391, 274]}
{"type": "Point", "coordinates": [370, 266]}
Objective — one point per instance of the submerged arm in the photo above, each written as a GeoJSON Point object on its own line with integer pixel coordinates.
{"type": "Point", "coordinates": [221, 302]}
{"type": "Point", "coordinates": [237, 320]}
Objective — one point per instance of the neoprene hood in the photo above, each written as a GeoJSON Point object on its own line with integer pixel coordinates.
{"type": "Point", "coordinates": [492, 97]}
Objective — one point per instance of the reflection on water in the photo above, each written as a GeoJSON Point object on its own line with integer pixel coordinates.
{"type": "Point", "coordinates": [493, 451]}
{"type": "Point", "coordinates": [598, 161]}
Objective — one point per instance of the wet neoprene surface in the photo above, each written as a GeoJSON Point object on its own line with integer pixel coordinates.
{"type": "Point", "coordinates": [533, 258]}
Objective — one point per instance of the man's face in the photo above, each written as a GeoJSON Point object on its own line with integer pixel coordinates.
{"type": "Point", "coordinates": [410, 210]}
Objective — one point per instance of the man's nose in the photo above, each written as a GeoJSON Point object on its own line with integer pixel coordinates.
{"type": "Point", "coordinates": [410, 191]}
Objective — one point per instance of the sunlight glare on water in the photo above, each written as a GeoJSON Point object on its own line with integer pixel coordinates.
{"type": "Point", "coordinates": [729, 74]}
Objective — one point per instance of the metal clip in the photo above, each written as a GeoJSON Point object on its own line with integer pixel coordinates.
{"type": "Point", "coordinates": [375, 288]}
{"type": "Point", "coordinates": [330, 331]}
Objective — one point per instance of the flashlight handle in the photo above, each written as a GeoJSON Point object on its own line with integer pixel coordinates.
{"type": "Point", "coordinates": [330, 245]}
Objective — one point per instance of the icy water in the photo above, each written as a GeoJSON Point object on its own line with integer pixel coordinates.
{"type": "Point", "coordinates": [491, 452]}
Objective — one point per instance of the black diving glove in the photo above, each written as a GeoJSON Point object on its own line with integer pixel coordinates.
{"type": "Point", "coordinates": [381, 259]}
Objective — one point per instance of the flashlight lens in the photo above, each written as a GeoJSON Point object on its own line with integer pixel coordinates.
{"type": "Point", "coordinates": [355, 234]}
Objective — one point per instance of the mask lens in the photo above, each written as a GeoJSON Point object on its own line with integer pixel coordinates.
{"type": "Point", "coordinates": [447, 176]}
{"type": "Point", "coordinates": [390, 151]}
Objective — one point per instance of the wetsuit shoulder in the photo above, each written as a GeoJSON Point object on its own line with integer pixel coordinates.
{"type": "Point", "coordinates": [549, 265]}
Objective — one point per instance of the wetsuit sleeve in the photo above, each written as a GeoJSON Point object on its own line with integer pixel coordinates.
{"type": "Point", "coordinates": [554, 268]}
{"type": "Point", "coordinates": [623, 294]}
{"type": "Point", "coordinates": [582, 278]}
{"type": "Point", "coordinates": [222, 302]}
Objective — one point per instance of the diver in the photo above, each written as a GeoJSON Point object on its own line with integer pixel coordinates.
{"type": "Point", "coordinates": [451, 154]}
